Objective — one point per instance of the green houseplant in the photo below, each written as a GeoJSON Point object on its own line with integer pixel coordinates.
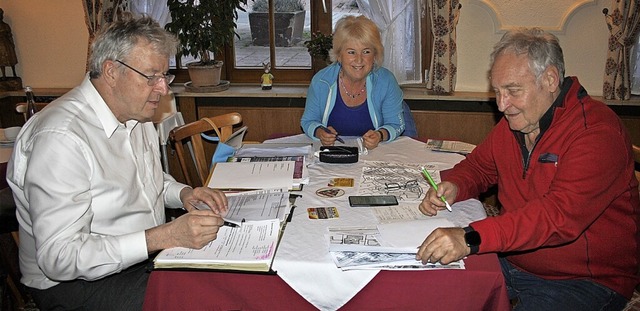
{"type": "Point", "coordinates": [288, 17]}
{"type": "Point", "coordinates": [318, 47]}
{"type": "Point", "coordinates": [203, 28]}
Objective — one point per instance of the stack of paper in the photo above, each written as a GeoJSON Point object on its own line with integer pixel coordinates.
{"type": "Point", "coordinates": [451, 146]}
{"type": "Point", "coordinates": [300, 172]}
{"type": "Point", "coordinates": [252, 175]}
{"type": "Point", "coordinates": [258, 166]}
{"type": "Point", "coordinates": [390, 246]}
{"type": "Point", "coordinates": [250, 246]}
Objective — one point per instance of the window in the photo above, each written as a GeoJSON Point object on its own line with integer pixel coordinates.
{"type": "Point", "coordinates": [290, 61]}
{"type": "Point", "coordinates": [269, 31]}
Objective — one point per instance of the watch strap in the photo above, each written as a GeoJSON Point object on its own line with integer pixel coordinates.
{"type": "Point", "coordinates": [474, 247]}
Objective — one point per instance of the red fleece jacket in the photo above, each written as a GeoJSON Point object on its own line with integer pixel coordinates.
{"type": "Point", "coordinates": [574, 212]}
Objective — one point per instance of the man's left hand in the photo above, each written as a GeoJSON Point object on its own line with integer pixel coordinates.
{"type": "Point", "coordinates": [444, 245]}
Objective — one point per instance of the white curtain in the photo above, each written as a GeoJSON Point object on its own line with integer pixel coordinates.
{"type": "Point", "coordinates": [399, 23]}
{"type": "Point", "coordinates": [156, 9]}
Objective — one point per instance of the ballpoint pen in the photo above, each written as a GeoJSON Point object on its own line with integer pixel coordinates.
{"type": "Point", "coordinates": [338, 138]}
{"type": "Point", "coordinates": [435, 187]}
{"type": "Point", "coordinates": [230, 224]}
{"type": "Point", "coordinates": [203, 207]}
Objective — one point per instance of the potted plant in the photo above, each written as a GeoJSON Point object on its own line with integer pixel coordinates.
{"type": "Point", "coordinates": [203, 28]}
{"type": "Point", "coordinates": [288, 17]}
{"type": "Point", "coordinates": [318, 47]}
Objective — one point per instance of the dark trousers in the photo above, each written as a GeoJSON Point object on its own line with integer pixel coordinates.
{"type": "Point", "coordinates": [122, 291]}
{"type": "Point", "coordinates": [529, 292]}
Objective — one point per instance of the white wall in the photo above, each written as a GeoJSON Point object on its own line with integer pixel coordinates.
{"type": "Point", "coordinates": [51, 39]}
{"type": "Point", "coordinates": [583, 37]}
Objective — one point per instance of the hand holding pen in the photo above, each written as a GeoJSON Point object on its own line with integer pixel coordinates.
{"type": "Point", "coordinates": [328, 131]}
{"type": "Point", "coordinates": [202, 206]}
{"type": "Point", "coordinates": [434, 187]}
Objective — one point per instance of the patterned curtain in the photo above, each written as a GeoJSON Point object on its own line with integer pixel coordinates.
{"type": "Point", "coordinates": [98, 13]}
{"type": "Point", "coordinates": [444, 60]}
{"type": "Point", "coordinates": [624, 25]}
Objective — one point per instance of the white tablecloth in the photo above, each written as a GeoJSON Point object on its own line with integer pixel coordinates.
{"type": "Point", "coordinates": [303, 260]}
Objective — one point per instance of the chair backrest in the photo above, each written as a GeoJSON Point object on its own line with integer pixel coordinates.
{"type": "Point", "coordinates": [193, 158]}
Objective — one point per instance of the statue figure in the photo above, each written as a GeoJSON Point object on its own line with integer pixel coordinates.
{"type": "Point", "coordinates": [7, 47]}
{"type": "Point", "coordinates": [267, 77]}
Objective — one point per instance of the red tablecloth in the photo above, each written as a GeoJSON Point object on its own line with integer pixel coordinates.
{"type": "Point", "coordinates": [479, 287]}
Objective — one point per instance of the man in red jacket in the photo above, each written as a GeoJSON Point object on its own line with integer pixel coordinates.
{"type": "Point", "coordinates": [567, 234]}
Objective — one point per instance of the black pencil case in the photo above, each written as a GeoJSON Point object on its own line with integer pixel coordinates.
{"type": "Point", "coordinates": [338, 154]}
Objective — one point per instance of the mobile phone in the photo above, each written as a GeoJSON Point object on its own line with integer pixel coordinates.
{"type": "Point", "coordinates": [372, 200]}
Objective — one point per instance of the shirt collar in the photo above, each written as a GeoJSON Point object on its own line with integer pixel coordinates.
{"type": "Point", "coordinates": [108, 120]}
{"type": "Point", "coordinates": [547, 117]}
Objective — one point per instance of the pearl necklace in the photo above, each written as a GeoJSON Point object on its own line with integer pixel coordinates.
{"type": "Point", "coordinates": [353, 96]}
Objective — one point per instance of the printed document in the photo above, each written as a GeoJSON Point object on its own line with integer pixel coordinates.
{"type": "Point", "coordinates": [250, 247]}
{"type": "Point", "coordinates": [252, 175]}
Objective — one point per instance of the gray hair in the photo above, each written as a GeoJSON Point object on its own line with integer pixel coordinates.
{"type": "Point", "coordinates": [542, 48]}
{"type": "Point", "coordinates": [117, 39]}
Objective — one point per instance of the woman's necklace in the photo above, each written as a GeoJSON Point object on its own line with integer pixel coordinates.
{"type": "Point", "coordinates": [353, 96]}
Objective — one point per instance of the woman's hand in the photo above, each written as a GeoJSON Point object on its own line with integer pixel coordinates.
{"type": "Point", "coordinates": [372, 138]}
{"type": "Point", "coordinates": [326, 138]}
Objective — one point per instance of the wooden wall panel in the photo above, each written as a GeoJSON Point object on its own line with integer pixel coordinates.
{"type": "Point", "coordinates": [469, 127]}
{"type": "Point", "coordinates": [262, 122]}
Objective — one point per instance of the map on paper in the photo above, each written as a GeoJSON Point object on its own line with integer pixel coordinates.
{"type": "Point", "coordinates": [404, 180]}
{"type": "Point", "coordinates": [386, 261]}
{"type": "Point", "coordinates": [388, 246]}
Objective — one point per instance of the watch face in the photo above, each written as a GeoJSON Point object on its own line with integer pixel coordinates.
{"type": "Point", "coordinates": [472, 238]}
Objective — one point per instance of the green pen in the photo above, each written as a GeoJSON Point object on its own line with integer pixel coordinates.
{"type": "Point", "coordinates": [435, 187]}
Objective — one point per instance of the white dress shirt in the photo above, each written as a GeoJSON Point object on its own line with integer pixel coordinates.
{"type": "Point", "coordinates": [86, 187]}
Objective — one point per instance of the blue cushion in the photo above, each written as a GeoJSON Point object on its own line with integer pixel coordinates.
{"type": "Point", "coordinates": [410, 128]}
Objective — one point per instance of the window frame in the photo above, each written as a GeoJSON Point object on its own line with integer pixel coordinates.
{"type": "Point", "coordinates": [320, 21]}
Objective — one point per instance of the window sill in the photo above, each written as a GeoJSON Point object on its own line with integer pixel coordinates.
{"type": "Point", "coordinates": [412, 92]}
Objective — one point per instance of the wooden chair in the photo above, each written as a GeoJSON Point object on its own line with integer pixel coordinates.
{"type": "Point", "coordinates": [193, 158]}
{"type": "Point", "coordinates": [17, 296]}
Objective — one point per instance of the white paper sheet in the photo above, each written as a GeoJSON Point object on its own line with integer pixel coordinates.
{"type": "Point", "coordinates": [252, 175]}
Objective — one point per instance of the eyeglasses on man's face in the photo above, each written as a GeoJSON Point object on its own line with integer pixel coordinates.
{"type": "Point", "coordinates": [151, 80]}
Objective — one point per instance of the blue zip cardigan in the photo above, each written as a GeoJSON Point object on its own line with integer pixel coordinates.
{"type": "Point", "coordinates": [384, 98]}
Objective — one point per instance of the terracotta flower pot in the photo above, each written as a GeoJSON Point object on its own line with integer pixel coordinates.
{"type": "Point", "coordinates": [205, 75]}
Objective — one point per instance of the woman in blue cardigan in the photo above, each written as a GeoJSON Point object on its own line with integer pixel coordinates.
{"type": "Point", "coordinates": [354, 96]}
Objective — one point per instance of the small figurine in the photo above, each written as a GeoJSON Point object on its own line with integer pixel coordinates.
{"type": "Point", "coordinates": [7, 47]}
{"type": "Point", "coordinates": [267, 77]}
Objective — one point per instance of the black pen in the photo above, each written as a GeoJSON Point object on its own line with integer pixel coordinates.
{"type": "Point", "coordinates": [202, 206]}
{"type": "Point", "coordinates": [230, 224]}
{"type": "Point", "coordinates": [338, 138]}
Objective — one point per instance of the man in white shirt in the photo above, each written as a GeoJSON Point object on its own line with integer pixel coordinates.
{"type": "Point", "coordinates": [88, 182]}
